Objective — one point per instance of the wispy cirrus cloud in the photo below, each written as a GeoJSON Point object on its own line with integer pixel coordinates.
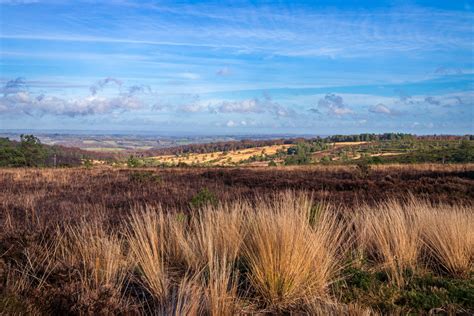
{"type": "Point", "coordinates": [279, 30]}
{"type": "Point", "coordinates": [189, 75]}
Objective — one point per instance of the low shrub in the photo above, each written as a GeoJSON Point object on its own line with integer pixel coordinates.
{"type": "Point", "coordinates": [203, 198]}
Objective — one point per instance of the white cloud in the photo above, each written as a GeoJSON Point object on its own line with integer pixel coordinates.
{"type": "Point", "coordinates": [189, 75]}
{"type": "Point", "coordinates": [242, 123]}
{"type": "Point", "coordinates": [380, 109]}
{"type": "Point", "coordinates": [192, 107]}
{"type": "Point", "coordinates": [17, 99]}
{"type": "Point", "coordinates": [24, 102]}
{"type": "Point", "coordinates": [334, 105]}
{"type": "Point", "coordinates": [256, 105]}
{"type": "Point", "coordinates": [231, 124]}
{"type": "Point", "coordinates": [192, 104]}
{"type": "Point", "coordinates": [244, 106]}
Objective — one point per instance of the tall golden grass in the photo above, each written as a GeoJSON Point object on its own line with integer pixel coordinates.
{"type": "Point", "coordinates": [147, 242]}
{"type": "Point", "coordinates": [447, 233]}
{"type": "Point", "coordinates": [280, 254]}
{"type": "Point", "coordinates": [390, 235]}
{"type": "Point", "coordinates": [288, 259]}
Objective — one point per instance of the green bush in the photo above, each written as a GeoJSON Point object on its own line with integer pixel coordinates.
{"type": "Point", "coordinates": [203, 198]}
{"type": "Point", "coordinates": [134, 162]}
{"type": "Point", "coordinates": [88, 163]}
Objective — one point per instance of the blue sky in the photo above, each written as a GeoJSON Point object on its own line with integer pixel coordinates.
{"type": "Point", "coordinates": [238, 67]}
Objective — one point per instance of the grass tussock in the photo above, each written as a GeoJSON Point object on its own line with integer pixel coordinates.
{"type": "Point", "coordinates": [147, 242]}
{"type": "Point", "coordinates": [213, 233]}
{"type": "Point", "coordinates": [402, 236]}
{"type": "Point", "coordinates": [288, 260]}
{"type": "Point", "coordinates": [390, 235]}
{"type": "Point", "coordinates": [448, 236]}
{"type": "Point", "coordinates": [99, 255]}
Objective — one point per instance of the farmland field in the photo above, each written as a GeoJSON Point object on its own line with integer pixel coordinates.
{"type": "Point", "coordinates": [220, 158]}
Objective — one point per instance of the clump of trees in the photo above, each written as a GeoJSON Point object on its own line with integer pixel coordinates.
{"type": "Point", "coordinates": [463, 152]}
{"type": "Point", "coordinates": [30, 152]}
{"type": "Point", "coordinates": [365, 137]}
{"type": "Point", "coordinates": [298, 155]}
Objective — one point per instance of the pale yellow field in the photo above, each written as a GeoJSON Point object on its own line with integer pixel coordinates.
{"type": "Point", "coordinates": [343, 144]}
{"type": "Point", "coordinates": [357, 157]}
{"type": "Point", "coordinates": [386, 154]}
{"type": "Point", "coordinates": [221, 158]}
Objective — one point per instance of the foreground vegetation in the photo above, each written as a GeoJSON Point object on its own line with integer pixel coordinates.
{"type": "Point", "coordinates": [282, 254]}
{"type": "Point", "coordinates": [230, 241]}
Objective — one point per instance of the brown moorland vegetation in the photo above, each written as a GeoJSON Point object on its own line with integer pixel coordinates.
{"type": "Point", "coordinates": [223, 241]}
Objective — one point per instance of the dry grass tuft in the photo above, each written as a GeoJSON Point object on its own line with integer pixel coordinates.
{"type": "Point", "coordinates": [185, 298]}
{"type": "Point", "coordinates": [287, 259]}
{"type": "Point", "coordinates": [210, 246]}
{"type": "Point", "coordinates": [212, 233]}
{"type": "Point", "coordinates": [99, 256]}
{"type": "Point", "coordinates": [390, 235]}
{"type": "Point", "coordinates": [448, 234]}
{"type": "Point", "coordinates": [221, 290]}
{"type": "Point", "coordinates": [146, 239]}
{"type": "Point", "coordinates": [99, 260]}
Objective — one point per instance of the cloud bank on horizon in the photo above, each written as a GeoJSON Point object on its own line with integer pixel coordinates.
{"type": "Point", "coordinates": [238, 67]}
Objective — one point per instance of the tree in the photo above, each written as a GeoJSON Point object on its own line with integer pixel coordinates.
{"type": "Point", "coordinates": [33, 151]}
{"type": "Point", "coordinates": [301, 155]}
{"type": "Point", "coordinates": [465, 152]}
{"type": "Point", "coordinates": [10, 155]}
